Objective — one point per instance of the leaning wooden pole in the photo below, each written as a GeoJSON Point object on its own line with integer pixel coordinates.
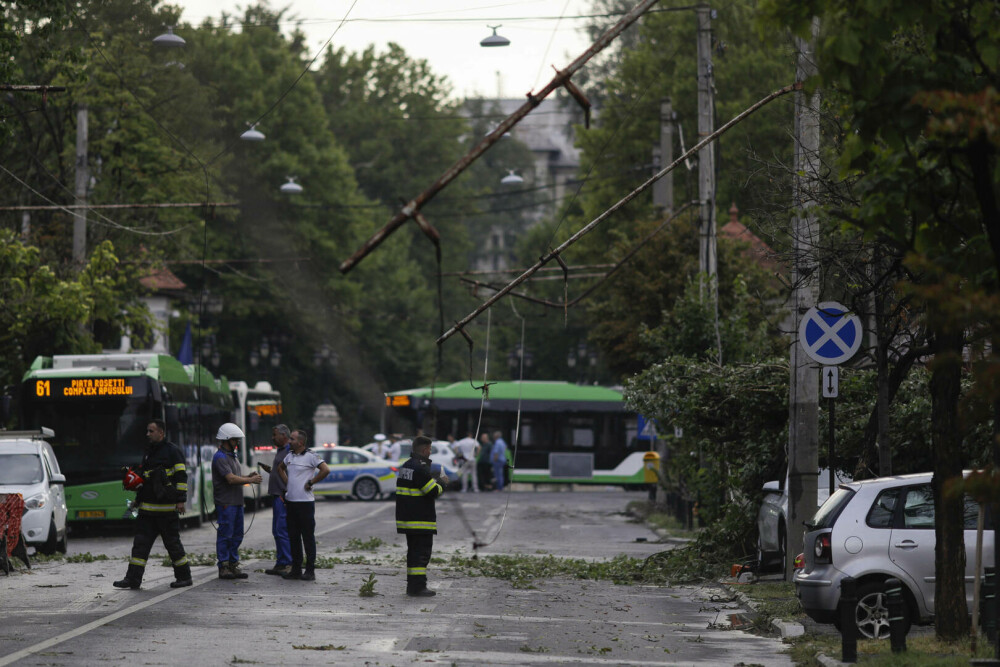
{"type": "Point", "coordinates": [562, 78]}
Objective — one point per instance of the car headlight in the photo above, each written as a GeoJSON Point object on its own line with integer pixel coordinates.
{"type": "Point", "coordinates": [35, 502]}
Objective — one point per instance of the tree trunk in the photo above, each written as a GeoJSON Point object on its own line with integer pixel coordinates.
{"type": "Point", "coordinates": [951, 616]}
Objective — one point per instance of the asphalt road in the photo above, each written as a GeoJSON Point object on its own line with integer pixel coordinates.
{"type": "Point", "coordinates": [62, 613]}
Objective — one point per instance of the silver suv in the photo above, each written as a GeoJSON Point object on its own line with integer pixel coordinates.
{"type": "Point", "coordinates": [873, 530]}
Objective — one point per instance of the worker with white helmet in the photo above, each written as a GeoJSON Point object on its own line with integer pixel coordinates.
{"type": "Point", "coordinates": [227, 482]}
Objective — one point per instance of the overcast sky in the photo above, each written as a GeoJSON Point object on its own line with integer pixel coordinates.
{"type": "Point", "coordinates": [446, 33]}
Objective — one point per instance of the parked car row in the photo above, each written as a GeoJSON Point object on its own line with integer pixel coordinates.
{"type": "Point", "coordinates": [871, 531]}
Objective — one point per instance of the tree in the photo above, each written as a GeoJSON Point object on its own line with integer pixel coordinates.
{"type": "Point", "coordinates": [927, 177]}
{"type": "Point", "coordinates": [43, 313]}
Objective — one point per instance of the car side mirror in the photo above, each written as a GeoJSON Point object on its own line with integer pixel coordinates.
{"type": "Point", "coordinates": [772, 486]}
{"type": "Point", "coordinates": [58, 479]}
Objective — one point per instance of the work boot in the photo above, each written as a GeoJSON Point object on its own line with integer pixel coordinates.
{"type": "Point", "coordinates": [132, 578]}
{"type": "Point", "coordinates": [226, 572]}
{"type": "Point", "coordinates": [180, 583]}
{"type": "Point", "coordinates": [292, 574]}
{"type": "Point", "coordinates": [234, 567]}
{"type": "Point", "coordinates": [308, 575]}
{"type": "Point", "coordinates": [420, 593]}
{"type": "Point", "coordinates": [278, 570]}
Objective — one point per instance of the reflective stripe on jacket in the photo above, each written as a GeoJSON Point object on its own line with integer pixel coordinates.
{"type": "Point", "coordinates": [416, 490]}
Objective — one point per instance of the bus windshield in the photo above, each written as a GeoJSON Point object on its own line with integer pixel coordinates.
{"type": "Point", "coordinates": [262, 414]}
{"type": "Point", "coordinates": [93, 439]}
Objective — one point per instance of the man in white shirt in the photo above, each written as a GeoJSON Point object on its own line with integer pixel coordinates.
{"type": "Point", "coordinates": [301, 470]}
{"type": "Point", "coordinates": [395, 449]}
{"type": "Point", "coordinates": [466, 453]}
{"type": "Point", "coordinates": [381, 448]}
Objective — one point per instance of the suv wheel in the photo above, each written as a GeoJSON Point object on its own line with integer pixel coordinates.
{"type": "Point", "coordinates": [49, 546]}
{"type": "Point", "coordinates": [366, 489]}
{"type": "Point", "coordinates": [871, 613]}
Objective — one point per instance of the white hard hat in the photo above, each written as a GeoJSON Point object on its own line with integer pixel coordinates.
{"type": "Point", "coordinates": [379, 437]}
{"type": "Point", "coordinates": [227, 431]}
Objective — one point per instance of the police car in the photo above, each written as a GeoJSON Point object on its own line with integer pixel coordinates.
{"type": "Point", "coordinates": [355, 472]}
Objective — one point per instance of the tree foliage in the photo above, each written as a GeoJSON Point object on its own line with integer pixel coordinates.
{"type": "Point", "coordinates": [911, 75]}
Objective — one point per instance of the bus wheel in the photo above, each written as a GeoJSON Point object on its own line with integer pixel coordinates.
{"type": "Point", "coordinates": [366, 489]}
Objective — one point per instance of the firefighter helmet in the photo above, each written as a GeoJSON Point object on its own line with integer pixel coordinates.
{"type": "Point", "coordinates": [132, 481]}
{"type": "Point", "coordinates": [228, 431]}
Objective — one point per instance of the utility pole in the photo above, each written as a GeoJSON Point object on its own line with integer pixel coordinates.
{"type": "Point", "coordinates": [706, 156]}
{"type": "Point", "coordinates": [80, 192]}
{"type": "Point", "coordinates": [663, 189]}
{"type": "Point", "coordinates": [803, 402]}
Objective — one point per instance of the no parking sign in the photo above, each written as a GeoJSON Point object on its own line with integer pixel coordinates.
{"type": "Point", "coordinates": [830, 334]}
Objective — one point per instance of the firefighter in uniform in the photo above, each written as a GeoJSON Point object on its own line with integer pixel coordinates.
{"type": "Point", "coordinates": [160, 499]}
{"type": "Point", "coordinates": [416, 489]}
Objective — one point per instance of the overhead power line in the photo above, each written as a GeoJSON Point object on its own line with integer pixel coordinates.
{"type": "Point", "coordinates": [556, 254]}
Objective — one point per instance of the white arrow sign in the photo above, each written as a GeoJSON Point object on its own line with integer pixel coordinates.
{"type": "Point", "coordinates": [830, 379]}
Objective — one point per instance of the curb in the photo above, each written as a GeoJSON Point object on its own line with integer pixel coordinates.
{"type": "Point", "coordinates": [827, 661]}
{"type": "Point", "coordinates": [786, 629]}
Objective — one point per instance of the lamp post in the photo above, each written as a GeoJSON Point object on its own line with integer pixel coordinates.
{"type": "Point", "coordinates": [584, 360]}
{"type": "Point", "coordinates": [325, 359]}
{"type": "Point", "coordinates": [514, 358]}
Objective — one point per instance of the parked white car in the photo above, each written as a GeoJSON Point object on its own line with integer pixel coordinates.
{"type": "Point", "coordinates": [28, 466]}
{"type": "Point", "coordinates": [873, 530]}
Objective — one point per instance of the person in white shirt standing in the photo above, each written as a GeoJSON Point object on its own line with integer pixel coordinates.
{"type": "Point", "coordinates": [381, 448]}
{"type": "Point", "coordinates": [396, 448]}
{"type": "Point", "coordinates": [466, 453]}
{"type": "Point", "coordinates": [301, 470]}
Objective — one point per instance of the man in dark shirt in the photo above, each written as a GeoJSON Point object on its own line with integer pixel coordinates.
{"type": "Point", "coordinates": [160, 499]}
{"type": "Point", "coordinates": [227, 484]}
{"type": "Point", "coordinates": [280, 435]}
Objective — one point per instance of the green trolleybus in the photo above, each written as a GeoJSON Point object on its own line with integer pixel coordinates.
{"type": "Point", "coordinates": [569, 433]}
{"type": "Point", "coordinates": [98, 405]}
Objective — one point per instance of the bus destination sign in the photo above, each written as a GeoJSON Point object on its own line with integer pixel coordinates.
{"type": "Point", "coordinates": [84, 388]}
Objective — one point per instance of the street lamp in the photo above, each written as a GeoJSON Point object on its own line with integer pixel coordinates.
{"type": "Point", "coordinates": [494, 39]}
{"type": "Point", "coordinates": [291, 187]}
{"type": "Point", "coordinates": [252, 134]}
{"type": "Point", "coordinates": [511, 178]}
{"type": "Point", "coordinates": [169, 39]}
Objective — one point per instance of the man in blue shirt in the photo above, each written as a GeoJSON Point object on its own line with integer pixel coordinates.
{"type": "Point", "coordinates": [280, 436]}
{"type": "Point", "coordinates": [498, 457]}
{"type": "Point", "coordinates": [227, 486]}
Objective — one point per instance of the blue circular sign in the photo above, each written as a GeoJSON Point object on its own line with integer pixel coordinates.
{"type": "Point", "coordinates": [830, 333]}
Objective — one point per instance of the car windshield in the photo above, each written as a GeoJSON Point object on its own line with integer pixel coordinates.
{"type": "Point", "coordinates": [20, 469]}
{"type": "Point", "coordinates": [830, 510]}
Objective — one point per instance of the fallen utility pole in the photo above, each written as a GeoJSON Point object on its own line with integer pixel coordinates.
{"type": "Point", "coordinates": [554, 254]}
{"type": "Point", "coordinates": [561, 79]}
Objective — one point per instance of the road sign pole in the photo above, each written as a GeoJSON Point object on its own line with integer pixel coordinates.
{"type": "Point", "coordinates": [832, 462]}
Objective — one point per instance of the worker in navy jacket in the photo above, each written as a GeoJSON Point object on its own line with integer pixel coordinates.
{"type": "Point", "coordinates": [416, 490]}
